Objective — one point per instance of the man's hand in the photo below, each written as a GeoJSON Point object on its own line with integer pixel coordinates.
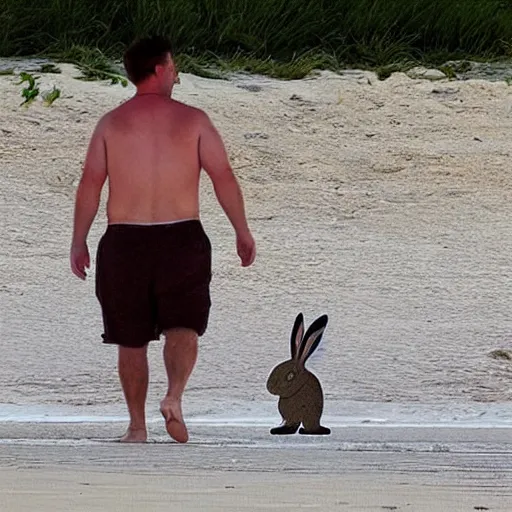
{"type": "Point", "coordinates": [79, 260]}
{"type": "Point", "coordinates": [246, 247]}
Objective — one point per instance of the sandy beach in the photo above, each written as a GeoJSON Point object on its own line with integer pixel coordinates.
{"type": "Point", "coordinates": [385, 204]}
{"type": "Point", "coordinates": [93, 490]}
{"type": "Point", "coordinates": [63, 467]}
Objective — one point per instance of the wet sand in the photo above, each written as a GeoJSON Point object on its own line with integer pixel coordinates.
{"type": "Point", "coordinates": [79, 489]}
{"type": "Point", "coordinates": [82, 467]}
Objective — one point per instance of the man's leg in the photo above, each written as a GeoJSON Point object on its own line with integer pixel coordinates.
{"type": "Point", "coordinates": [134, 376]}
{"type": "Point", "coordinates": [180, 354]}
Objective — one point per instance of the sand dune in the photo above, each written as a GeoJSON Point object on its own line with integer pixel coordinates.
{"type": "Point", "coordinates": [384, 204]}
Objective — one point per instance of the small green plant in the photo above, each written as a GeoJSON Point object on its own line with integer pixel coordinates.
{"type": "Point", "coordinates": [32, 90]}
{"type": "Point", "coordinates": [50, 96]}
{"type": "Point", "coordinates": [508, 80]}
{"type": "Point", "coordinates": [449, 72]}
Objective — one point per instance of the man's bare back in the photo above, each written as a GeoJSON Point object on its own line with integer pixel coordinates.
{"type": "Point", "coordinates": [153, 160]}
{"type": "Point", "coordinates": [153, 148]}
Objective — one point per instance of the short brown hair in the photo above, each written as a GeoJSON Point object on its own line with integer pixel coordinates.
{"type": "Point", "coordinates": [143, 55]}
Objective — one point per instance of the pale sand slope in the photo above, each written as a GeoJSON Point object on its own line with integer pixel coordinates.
{"type": "Point", "coordinates": [386, 205]}
{"type": "Point", "coordinates": [371, 202]}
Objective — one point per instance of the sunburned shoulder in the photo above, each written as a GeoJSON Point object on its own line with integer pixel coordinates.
{"type": "Point", "coordinates": [193, 116]}
{"type": "Point", "coordinates": [189, 110]}
{"type": "Point", "coordinates": [132, 105]}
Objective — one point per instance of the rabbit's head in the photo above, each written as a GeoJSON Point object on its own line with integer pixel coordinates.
{"type": "Point", "coordinates": [288, 377]}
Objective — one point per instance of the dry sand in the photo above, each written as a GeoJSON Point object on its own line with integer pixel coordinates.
{"type": "Point", "coordinates": [386, 205]}
{"type": "Point", "coordinates": [89, 490]}
{"type": "Point", "coordinates": [371, 201]}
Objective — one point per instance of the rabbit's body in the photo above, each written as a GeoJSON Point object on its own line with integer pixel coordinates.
{"type": "Point", "coordinates": [300, 392]}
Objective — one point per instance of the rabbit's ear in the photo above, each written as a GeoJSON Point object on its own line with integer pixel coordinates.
{"type": "Point", "coordinates": [312, 338]}
{"type": "Point", "coordinates": [297, 335]}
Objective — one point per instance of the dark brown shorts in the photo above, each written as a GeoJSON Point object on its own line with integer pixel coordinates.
{"type": "Point", "coordinates": [150, 278]}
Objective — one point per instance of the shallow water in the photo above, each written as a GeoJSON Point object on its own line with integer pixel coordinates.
{"type": "Point", "coordinates": [265, 414]}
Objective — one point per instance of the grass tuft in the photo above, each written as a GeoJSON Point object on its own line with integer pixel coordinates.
{"type": "Point", "coordinates": [449, 71]}
{"type": "Point", "coordinates": [93, 64]}
{"type": "Point", "coordinates": [50, 96]}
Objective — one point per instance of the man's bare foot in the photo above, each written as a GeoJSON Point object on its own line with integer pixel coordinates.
{"type": "Point", "coordinates": [176, 428]}
{"type": "Point", "coordinates": [135, 435]}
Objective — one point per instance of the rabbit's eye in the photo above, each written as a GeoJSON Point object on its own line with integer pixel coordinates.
{"type": "Point", "coordinates": [290, 376]}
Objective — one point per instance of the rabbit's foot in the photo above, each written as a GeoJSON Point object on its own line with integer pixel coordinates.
{"type": "Point", "coordinates": [319, 431]}
{"type": "Point", "coordinates": [285, 428]}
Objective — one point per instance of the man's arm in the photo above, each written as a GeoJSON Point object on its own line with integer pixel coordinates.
{"type": "Point", "coordinates": [215, 162]}
{"type": "Point", "coordinates": [88, 196]}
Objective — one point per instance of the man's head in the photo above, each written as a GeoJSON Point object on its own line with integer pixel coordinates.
{"type": "Point", "coordinates": [149, 61]}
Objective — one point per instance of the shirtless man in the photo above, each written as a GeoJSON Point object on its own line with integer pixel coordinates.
{"type": "Point", "coordinates": [154, 259]}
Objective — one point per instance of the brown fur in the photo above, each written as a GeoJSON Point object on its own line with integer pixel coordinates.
{"type": "Point", "coordinates": [300, 393]}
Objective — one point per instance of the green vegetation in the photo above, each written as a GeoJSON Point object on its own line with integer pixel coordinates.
{"type": "Point", "coordinates": [286, 38]}
{"type": "Point", "coordinates": [51, 96]}
{"type": "Point", "coordinates": [31, 91]}
{"type": "Point", "coordinates": [93, 64]}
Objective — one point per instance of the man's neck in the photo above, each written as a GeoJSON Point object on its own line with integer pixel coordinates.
{"type": "Point", "coordinates": [151, 91]}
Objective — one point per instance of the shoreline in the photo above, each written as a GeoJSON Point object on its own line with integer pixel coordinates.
{"type": "Point", "coordinates": [338, 414]}
{"type": "Point", "coordinates": [417, 439]}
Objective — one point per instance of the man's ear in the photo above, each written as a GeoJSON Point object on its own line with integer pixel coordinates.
{"type": "Point", "coordinates": [175, 72]}
{"type": "Point", "coordinates": [159, 69]}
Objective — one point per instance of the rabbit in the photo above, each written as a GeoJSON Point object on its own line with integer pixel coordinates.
{"type": "Point", "coordinates": [300, 393]}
